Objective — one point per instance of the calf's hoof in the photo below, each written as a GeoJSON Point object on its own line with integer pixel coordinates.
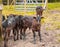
{"type": "Point", "coordinates": [14, 39]}
{"type": "Point", "coordinates": [40, 40]}
{"type": "Point", "coordinates": [21, 38]}
{"type": "Point", "coordinates": [17, 38]}
{"type": "Point", "coordinates": [24, 38]}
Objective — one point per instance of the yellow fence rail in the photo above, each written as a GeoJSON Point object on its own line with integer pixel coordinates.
{"type": "Point", "coordinates": [19, 9]}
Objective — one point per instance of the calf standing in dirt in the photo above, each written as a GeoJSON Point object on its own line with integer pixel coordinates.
{"type": "Point", "coordinates": [36, 23]}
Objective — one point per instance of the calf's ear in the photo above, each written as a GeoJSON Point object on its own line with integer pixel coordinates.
{"type": "Point", "coordinates": [42, 17]}
{"type": "Point", "coordinates": [44, 8]}
{"type": "Point", "coordinates": [34, 17]}
{"type": "Point", "coordinates": [7, 16]}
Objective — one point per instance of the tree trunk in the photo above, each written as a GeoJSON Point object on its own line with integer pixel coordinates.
{"type": "Point", "coordinates": [0, 21]}
{"type": "Point", "coordinates": [0, 17]}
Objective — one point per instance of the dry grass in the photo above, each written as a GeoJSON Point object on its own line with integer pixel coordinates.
{"type": "Point", "coordinates": [52, 19]}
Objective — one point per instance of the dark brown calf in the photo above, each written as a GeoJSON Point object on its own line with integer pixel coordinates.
{"type": "Point", "coordinates": [36, 23]}
{"type": "Point", "coordinates": [36, 28]}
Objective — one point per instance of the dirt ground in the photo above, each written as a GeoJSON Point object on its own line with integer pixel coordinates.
{"type": "Point", "coordinates": [50, 33]}
{"type": "Point", "coordinates": [48, 40]}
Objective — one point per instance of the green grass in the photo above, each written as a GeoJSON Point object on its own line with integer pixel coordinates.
{"type": "Point", "coordinates": [1, 39]}
{"type": "Point", "coordinates": [53, 6]}
{"type": "Point", "coordinates": [0, 1]}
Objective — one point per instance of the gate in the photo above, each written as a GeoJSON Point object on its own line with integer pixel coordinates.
{"type": "Point", "coordinates": [22, 7]}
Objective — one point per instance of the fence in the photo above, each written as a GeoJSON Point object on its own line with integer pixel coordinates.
{"type": "Point", "coordinates": [22, 8]}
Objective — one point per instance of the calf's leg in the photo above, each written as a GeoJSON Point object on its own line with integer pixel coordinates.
{"type": "Point", "coordinates": [39, 34]}
{"type": "Point", "coordinates": [24, 33]}
{"type": "Point", "coordinates": [14, 32]}
{"type": "Point", "coordinates": [34, 36]}
{"type": "Point", "coordinates": [21, 34]}
{"type": "Point", "coordinates": [17, 33]}
{"type": "Point", "coordinates": [5, 39]}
